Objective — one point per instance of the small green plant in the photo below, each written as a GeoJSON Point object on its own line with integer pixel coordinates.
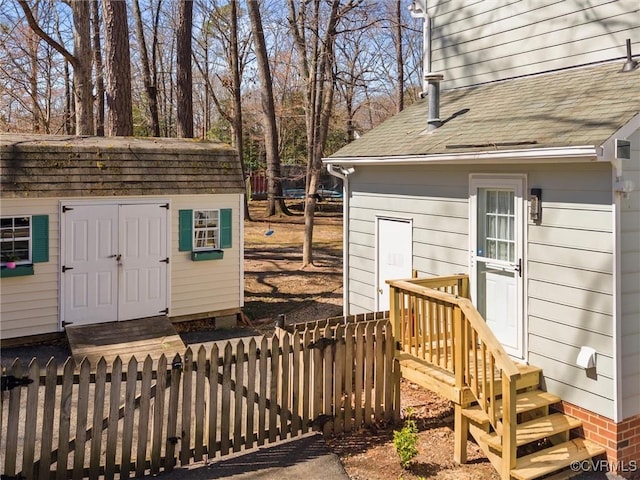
{"type": "Point", "coordinates": [406, 439]}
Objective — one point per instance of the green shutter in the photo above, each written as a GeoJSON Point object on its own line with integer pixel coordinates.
{"type": "Point", "coordinates": [40, 238]}
{"type": "Point", "coordinates": [225, 228]}
{"type": "Point", "coordinates": [185, 230]}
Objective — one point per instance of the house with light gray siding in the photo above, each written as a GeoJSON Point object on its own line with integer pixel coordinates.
{"type": "Point", "coordinates": [98, 230]}
{"type": "Point", "coordinates": [527, 180]}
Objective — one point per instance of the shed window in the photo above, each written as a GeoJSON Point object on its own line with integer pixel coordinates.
{"type": "Point", "coordinates": [15, 239]}
{"type": "Point", "coordinates": [206, 229]}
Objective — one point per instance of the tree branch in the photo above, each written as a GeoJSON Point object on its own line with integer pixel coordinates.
{"type": "Point", "coordinates": [33, 24]}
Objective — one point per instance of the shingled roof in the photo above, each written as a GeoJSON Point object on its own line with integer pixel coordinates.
{"type": "Point", "coordinates": [75, 166]}
{"type": "Point", "coordinates": [577, 107]}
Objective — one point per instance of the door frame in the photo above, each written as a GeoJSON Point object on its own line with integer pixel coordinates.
{"type": "Point", "coordinates": [377, 252]}
{"type": "Point", "coordinates": [108, 201]}
{"type": "Point", "coordinates": [514, 181]}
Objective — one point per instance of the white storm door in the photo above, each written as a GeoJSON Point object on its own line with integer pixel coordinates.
{"type": "Point", "coordinates": [143, 261]}
{"type": "Point", "coordinates": [497, 250]}
{"type": "Point", "coordinates": [89, 266]}
{"type": "Point", "coordinates": [394, 256]}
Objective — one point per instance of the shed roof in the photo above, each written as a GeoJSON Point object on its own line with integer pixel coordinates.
{"type": "Point", "coordinates": [70, 166]}
{"type": "Point", "coordinates": [569, 108]}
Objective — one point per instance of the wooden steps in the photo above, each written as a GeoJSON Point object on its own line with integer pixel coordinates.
{"type": "Point", "coordinates": [555, 458]}
{"type": "Point", "coordinates": [525, 402]}
{"type": "Point", "coordinates": [153, 336]}
{"type": "Point", "coordinates": [538, 429]}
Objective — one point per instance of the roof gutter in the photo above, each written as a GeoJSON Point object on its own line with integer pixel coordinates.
{"type": "Point", "coordinates": [535, 155]}
{"type": "Point", "coordinates": [343, 173]}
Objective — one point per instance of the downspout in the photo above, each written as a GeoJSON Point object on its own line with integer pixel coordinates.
{"type": "Point", "coordinates": [418, 9]}
{"type": "Point", "coordinates": [343, 173]}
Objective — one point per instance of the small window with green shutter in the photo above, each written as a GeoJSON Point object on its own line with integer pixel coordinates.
{"type": "Point", "coordinates": [204, 231]}
{"type": "Point", "coordinates": [24, 240]}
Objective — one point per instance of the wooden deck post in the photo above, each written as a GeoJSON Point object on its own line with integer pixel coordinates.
{"type": "Point", "coordinates": [461, 425]}
{"type": "Point", "coordinates": [394, 313]}
{"type": "Point", "coordinates": [509, 423]}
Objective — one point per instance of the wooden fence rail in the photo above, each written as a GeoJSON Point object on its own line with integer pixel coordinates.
{"type": "Point", "coordinates": [90, 421]}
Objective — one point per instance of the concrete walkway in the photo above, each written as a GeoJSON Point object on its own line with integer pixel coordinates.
{"type": "Point", "coordinates": [306, 457]}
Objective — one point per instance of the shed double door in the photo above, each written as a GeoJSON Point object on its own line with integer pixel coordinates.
{"type": "Point", "coordinates": [113, 262]}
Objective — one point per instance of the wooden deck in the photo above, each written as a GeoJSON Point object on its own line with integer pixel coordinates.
{"type": "Point", "coordinates": [152, 336]}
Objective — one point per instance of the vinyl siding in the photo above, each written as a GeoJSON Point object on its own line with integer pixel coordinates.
{"type": "Point", "coordinates": [201, 287]}
{"type": "Point", "coordinates": [569, 257]}
{"type": "Point", "coordinates": [630, 284]}
{"type": "Point", "coordinates": [475, 42]}
{"type": "Point", "coordinates": [29, 305]}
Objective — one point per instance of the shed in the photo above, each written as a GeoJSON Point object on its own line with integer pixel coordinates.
{"type": "Point", "coordinates": [101, 229]}
{"type": "Point", "coordinates": [531, 187]}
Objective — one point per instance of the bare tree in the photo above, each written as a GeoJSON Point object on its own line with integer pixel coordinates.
{"type": "Point", "coordinates": [275, 202]}
{"type": "Point", "coordinates": [149, 85]}
{"type": "Point", "coordinates": [80, 60]}
{"type": "Point", "coordinates": [184, 92]}
{"type": "Point", "coordinates": [315, 44]}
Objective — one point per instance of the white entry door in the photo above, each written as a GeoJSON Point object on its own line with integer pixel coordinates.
{"type": "Point", "coordinates": [496, 257]}
{"type": "Point", "coordinates": [394, 256]}
{"type": "Point", "coordinates": [113, 262]}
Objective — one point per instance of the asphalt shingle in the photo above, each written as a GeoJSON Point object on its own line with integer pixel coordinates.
{"type": "Point", "coordinates": [575, 107]}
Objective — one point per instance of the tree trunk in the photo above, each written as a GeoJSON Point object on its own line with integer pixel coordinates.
{"type": "Point", "coordinates": [82, 68]}
{"type": "Point", "coordinates": [275, 202]}
{"type": "Point", "coordinates": [149, 86]}
{"type": "Point", "coordinates": [97, 60]}
{"type": "Point", "coordinates": [184, 91]}
{"type": "Point", "coordinates": [316, 65]}
{"type": "Point", "coordinates": [399, 56]}
{"type": "Point", "coordinates": [237, 101]}
{"type": "Point", "coordinates": [118, 69]}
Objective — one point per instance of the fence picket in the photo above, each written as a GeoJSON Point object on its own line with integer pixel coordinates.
{"type": "Point", "coordinates": [226, 401]}
{"type": "Point", "coordinates": [51, 377]}
{"type": "Point", "coordinates": [327, 390]}
{"type": "Point", "coordinates": [283, 398]}
{"type": "Point", "coordinates": [31, 419]}
{"type": "Point", "coordinates": [82, 399]}
{"type": "Point", "coordinates": [318, 384]}
{"type": "Point", "coordinates": [114, 415]}
{"type": "Point", "coordinates": [378, 369]}
{"type": "Point", "coordinates": [237, 398]}
{"type": "Point", "coordinates": [251, 395]}
{"type": "Point", "coordinates": [129, 411]}
{"type": "Point", "coordinates": [369, 359]}
{"type": "Point", "coordinates": [388, 370]}
{"type": "Point", "coordinates": [306, 392]}
{"type": "Point", "coordinates": [157, 440]}
{"type": "Point", "coordinates": [65, 419]}
{"type": "Point", "coordinates": [212, 424]}
{"type": "Point", "coordinates": [296, 385]}
{"type": "Point", "coordinates": [172, 413]}
{"type": "Point", "coordinates": [187, 395]}
{"type": "Point", "coordinates": [201, 365]}
{"type": "Point", "coordinates": [13, 422]}
{"type": "Point", "coordinates": [262, 400]}
{"type": "Point", "coordinates": [338, 380]}
{"type": "Point", "coordinates": [273, 388]}
{"type": "Point", "coordinates": [349, 376]}
{"type": "Point", "coordinates": [359, 371]}
{"type": "Point", "coordinates": [143, 416]}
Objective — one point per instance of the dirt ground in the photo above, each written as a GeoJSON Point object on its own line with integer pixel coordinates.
{"type": "Point", "coordinates": [275, 284]}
